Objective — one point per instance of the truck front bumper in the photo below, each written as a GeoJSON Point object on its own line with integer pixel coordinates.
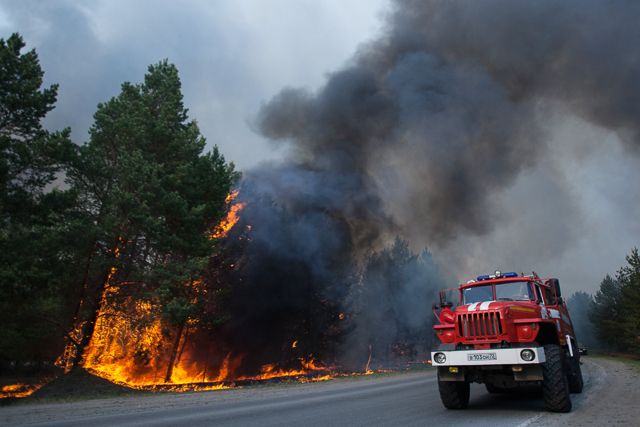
{"type": "Point", "coordinates": [493, 356]}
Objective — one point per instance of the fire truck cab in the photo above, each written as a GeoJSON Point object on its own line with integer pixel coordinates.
{"type": "Point", "coordinates": [508, 330]}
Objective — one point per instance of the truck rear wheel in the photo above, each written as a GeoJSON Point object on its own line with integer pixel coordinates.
{"type": "Point", "coordinates": [555, 384]}
{"type": "Point", "coordinates": [454, 394]}
{"type": "Point", "coordinates": [575, 378]}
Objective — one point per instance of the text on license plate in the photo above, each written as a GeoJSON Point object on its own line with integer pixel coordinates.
{"type": "Point", "coordinates": [478, 357]}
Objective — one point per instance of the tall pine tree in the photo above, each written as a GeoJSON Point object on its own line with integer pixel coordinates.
{"type": "Point", "coordinates": [34, 239]}
{"type": "Point", "coordinates": [606, 313]}
{"type": "Point", "coordinates": [629, 278]}
{"type": "Point", "coordinates": [150, 195]}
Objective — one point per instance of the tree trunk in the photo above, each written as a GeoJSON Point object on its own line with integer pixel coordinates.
{"type": "Point", "coordinates": [174, 353]}
{"type": "Point", "coordinates": [94, 309]}
{"type": "Point", "coordinates": [90, 325]}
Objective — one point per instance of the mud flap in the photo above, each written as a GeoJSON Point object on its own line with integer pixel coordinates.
{"type": "Point", "coordinates": [529, 373]}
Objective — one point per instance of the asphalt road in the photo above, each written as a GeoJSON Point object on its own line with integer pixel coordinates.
{"type": "Point", "coordinates": [405, 399]}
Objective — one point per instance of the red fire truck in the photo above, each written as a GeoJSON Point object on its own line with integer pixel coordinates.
{"type": "Point", "coordinates": [508, 330]}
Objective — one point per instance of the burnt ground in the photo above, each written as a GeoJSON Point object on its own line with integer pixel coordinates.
{"type": "Point", "coordinates": [410, 398]}
{"type": "Point", "coordinates": [78, 384]}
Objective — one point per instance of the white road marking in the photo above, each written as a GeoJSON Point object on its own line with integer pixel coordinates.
{"type": "Point", "coordinates": [526, 422]}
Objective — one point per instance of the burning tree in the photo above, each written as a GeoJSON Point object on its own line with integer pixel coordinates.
{"type": "Point", "coordinates": [149, 195]}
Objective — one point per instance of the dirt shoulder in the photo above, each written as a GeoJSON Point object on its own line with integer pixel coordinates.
{"type": "Point", "coordinates": [610, 396]}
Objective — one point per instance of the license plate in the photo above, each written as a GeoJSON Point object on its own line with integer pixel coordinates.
{"type": "Point", "coordinates": [479, 357]}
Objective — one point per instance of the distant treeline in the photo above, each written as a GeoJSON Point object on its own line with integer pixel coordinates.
{"type": "Point", "coordinates": [130, 207]}
{"type": "Point", "coordinates": [610, 320]}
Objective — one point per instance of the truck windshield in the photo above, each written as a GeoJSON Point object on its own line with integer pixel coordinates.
{"type": "Point", "coordinates": [478, 294]}
{"type": "Point", "coordinates": [514, 291]}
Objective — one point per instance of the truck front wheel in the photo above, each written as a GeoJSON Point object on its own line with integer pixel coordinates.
{"type": "Point", "coordinates": [454, 394]}
{"type": "Point", "coordinates": [555, 384]}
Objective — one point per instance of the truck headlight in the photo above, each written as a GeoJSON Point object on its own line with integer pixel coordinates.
{"type": "Point", "coordinates": [527, 355]}
{"type": "Point", "coordinates": [439, 358]}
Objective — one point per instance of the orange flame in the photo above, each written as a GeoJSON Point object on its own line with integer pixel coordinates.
{"type": "Point", "coordinates": [19, 390]}
{"type": "Point", "coordinates": [221, 230]}
{"type": "Point", "coordinates": [130, 342]}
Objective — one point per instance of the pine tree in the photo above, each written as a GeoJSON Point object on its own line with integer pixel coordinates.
{"type": "Point", "coordinates": [151, 195]}
{"type": "Point", "coordinates": [34, 244]}
{"type": "Point", "coordinates": [629, 279]}
{"type": "Point", "coordinates": [606, 313]}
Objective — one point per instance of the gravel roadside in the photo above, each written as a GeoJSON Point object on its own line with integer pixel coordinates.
{"type": "Point", "coordinates": [611, 397]}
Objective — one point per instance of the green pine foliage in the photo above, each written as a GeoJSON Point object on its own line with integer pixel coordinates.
{"type": "Point", "coordinates": [629, 278]}
{"type": "Point", "coordinates": [140, 196]}
{"type": "Point", "coordinates": [35, 244]}
{"type": "Point", "coordinates": [150, 194]}
{"type": "Point", "coordinates": [615, 311]}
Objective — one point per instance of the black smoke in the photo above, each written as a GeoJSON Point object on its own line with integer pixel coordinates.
{"type": "Point", "coordinates": [416, 137]}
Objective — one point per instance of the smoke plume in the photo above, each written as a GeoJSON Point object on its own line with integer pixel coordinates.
{"type": "Point", "coordinates": [447, 107]}
{"type": "Point", "coordinates": [422, 131]}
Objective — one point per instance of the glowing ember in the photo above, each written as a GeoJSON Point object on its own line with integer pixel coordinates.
{"type": "Point", "coordinates": [294, 344]}
{"type": "Point", "coordinates": [322, 378]}
{"type": "Point", "coordinates": [222, 229]}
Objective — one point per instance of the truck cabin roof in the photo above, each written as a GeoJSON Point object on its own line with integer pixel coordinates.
{"type": "Point", "coordinates": [537, 280]}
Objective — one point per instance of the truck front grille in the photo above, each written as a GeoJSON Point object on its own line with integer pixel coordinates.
{"type": "Point", "coordinates": [482, 325]}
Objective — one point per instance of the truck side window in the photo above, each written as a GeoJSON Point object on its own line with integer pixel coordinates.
{"type": "Point", "coordinates": [548, 296]}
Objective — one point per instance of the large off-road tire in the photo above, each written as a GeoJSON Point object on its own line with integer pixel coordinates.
{"type": "Point", "coordinates": [575, 376]}
{"type": "Point", "coordinates": [454, 394]}
{"type": "Point", "coordinates": [555, 385]}
{"type": "Point", "coordinates": [494, 389]}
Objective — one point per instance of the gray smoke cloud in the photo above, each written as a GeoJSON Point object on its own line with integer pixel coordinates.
{"type": "Point", "coordinates": [451, 121]}
{"type": "Point", "coordinates": [566, 67]}
{"type": "Point", "coordinates": [231, 55]}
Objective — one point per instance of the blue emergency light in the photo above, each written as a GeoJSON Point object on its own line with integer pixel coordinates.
{"type": "Point", "coordinates": [497, 275]}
